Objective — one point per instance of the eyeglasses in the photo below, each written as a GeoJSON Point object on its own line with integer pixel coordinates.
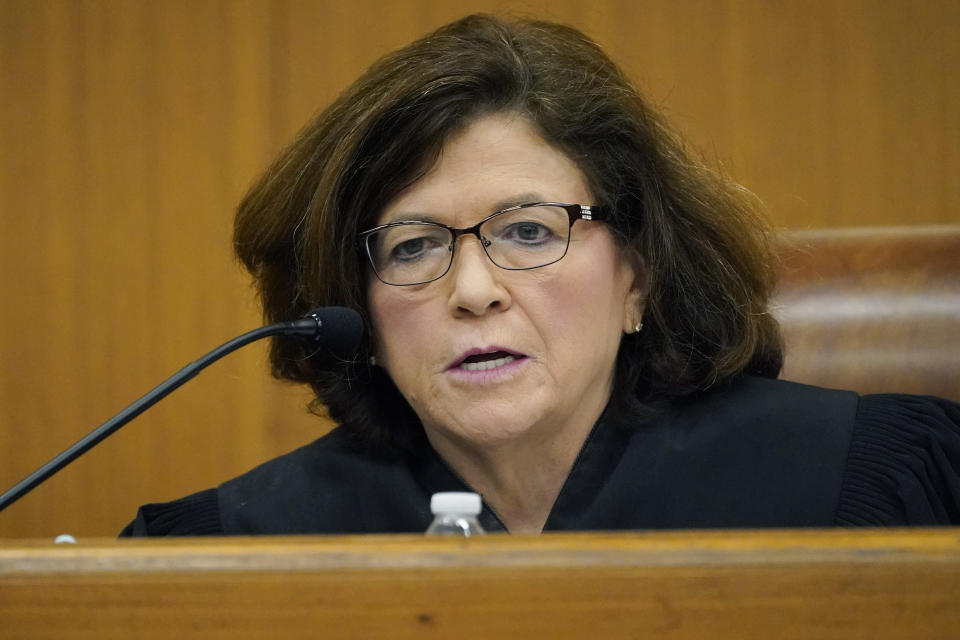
{"type": "Point", "coordinates": [526, 236]}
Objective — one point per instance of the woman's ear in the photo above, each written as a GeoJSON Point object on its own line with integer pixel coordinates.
{"type": "Point", "coordinates": [374, 357]}
{"type": "Point", "coordinates": [635, 301]}
{"type": "Point", "coordinates": [633, 307]}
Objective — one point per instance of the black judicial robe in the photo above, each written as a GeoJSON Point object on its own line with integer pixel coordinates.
{"type": "Point", "coordinates": [755, 453]}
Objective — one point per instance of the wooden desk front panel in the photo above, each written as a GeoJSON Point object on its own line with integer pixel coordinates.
{"type": "Point", "coordinates": [810, 584]}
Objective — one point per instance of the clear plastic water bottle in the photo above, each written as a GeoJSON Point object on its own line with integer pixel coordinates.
{"type": "Point", "coordinates": [455, 514]}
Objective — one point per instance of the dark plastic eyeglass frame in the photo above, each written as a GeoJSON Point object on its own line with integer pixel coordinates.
{"type": "Point", "coordinates": [574, 211]}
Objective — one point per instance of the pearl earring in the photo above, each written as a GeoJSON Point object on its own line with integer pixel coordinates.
{"type": "Point", "coordinates": [638, 327]}
{"type": "Point", "coordinates": [373, 361]}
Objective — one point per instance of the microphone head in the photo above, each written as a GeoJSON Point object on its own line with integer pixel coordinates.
{"type": "Point", "coordinates": [339, 331]}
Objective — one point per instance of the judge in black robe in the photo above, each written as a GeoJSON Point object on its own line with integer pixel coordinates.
{"type": "Point", "coordinates": [394, 201]}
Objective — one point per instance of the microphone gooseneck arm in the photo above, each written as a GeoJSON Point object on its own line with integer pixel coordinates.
{"type": "Point", "coordinates": [311, 325]}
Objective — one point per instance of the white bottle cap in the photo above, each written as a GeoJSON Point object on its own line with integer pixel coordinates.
{"type": "Point", "coordinates": [456, 502]}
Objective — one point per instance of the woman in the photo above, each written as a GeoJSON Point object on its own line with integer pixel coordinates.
{"type": "Point", "coordinates": [565, 314]}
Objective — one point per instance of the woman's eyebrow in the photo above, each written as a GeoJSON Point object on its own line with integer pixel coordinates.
{"type": "Point", "coordinates": [523, 198]}
{"type": "Point", "coordinates": [411, 217]}
{"type": "Point", "coordinates": [512, 201]}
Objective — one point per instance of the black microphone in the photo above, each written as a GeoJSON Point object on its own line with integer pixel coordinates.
{"type": "Point", "coordinates": [337, 330]}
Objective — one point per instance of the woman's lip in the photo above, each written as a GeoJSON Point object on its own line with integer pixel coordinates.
{"type": "Point", "coordinates": [476, 351]}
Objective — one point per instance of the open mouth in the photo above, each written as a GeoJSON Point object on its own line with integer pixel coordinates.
{"type": "Point", "coordinates": [484, 361]}
{"type": "Point", "coordinates": [487, 361]}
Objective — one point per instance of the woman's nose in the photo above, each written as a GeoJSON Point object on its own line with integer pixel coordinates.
{"type": "Point", "coordinates": [477, 282]}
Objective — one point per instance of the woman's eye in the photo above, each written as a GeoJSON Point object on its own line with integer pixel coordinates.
{"type": "Point", "coordinates": [413, 249]}
{"type": "Point", "coordinates": [408, 249]}
{"type": "Point", "coordinates": [527, 233]}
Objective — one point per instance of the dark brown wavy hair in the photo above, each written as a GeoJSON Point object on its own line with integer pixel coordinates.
{"type": "Point", "coordinates": [706, 252]}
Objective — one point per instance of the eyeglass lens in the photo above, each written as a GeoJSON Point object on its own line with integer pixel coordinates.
{"type": "Point", "coordinates": [411, 253]}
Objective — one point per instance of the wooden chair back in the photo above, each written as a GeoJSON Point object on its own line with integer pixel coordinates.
{"type": "Point", "coordinates": [873, 309]}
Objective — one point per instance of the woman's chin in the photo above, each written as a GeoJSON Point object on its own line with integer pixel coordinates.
{"type": "Point", "coordinates": [489, 427]}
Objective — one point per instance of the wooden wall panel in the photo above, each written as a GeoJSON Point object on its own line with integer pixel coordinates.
{"type": "Point", "coordinates": [129, 131]}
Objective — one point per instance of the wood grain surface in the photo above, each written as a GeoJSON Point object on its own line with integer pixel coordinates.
{"type": "Point", "coordinates": [741, 584]}
{"type": "Point", "coordinates": [130, 129]}
{"type": "Point", "coordinates": [872, 309]}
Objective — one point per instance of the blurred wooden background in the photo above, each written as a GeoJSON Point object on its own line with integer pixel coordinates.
{"type": "Point", "coordinates": [130, 129]}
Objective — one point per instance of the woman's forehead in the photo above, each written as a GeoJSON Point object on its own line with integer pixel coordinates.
{"type": "Point", "coordinates": [497, 162]}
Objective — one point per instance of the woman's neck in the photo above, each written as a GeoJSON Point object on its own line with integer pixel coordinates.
{"type": "Point", "coordinates": [521, 479]}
